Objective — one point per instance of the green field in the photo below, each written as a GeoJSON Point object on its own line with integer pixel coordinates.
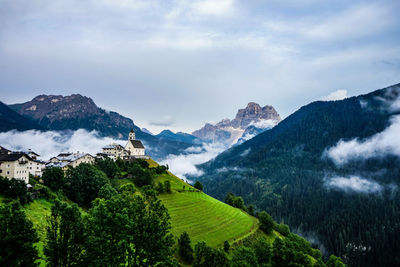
{"type": "Point", "coordinates": [203, 217]}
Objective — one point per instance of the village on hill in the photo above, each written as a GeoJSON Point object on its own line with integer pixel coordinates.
{"type": "Point", "coordinates": [20, 164]}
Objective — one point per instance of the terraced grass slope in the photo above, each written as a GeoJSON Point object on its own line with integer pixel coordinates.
{"type": "Point", "coordinates": [203, 217]}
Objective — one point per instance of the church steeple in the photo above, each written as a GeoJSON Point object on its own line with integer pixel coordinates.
{"type": "Point", "coordinates": [132, 135]}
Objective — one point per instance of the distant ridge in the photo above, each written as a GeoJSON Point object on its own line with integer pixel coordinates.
{"type": "Point", "coordinates": [11, 120]}
{"type": "Point", "coordinates": [57, 112]}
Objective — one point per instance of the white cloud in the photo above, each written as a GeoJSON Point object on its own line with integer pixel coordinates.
{"type": "Point", "coordinates": [263, 124]}
{"type": "Point", "coordinates": [246, 152]}
{"type": "Point", "coordinates": [379, 145]}
{"type": "Point", "coordinates": [337, 95]}
{"type": "Point", "coordinates": [353, 184]}
{"type": "Point", "coordinates": [213, 7]}
{"type": "Point", "coordinates": [163, 121]}
{"type": "Point", "coordinates": [364, 20]}
{"type": "Point", "coordinates": [51, 143]}
{"type": "Point", "coordinates": [185, 164]}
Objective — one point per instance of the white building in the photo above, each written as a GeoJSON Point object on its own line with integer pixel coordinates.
{"type": "Point", "coordinates": [135, 147]}
{"type": "Point", "coordinates": [65, 160]}
{"type": "Point", "coordinates": [15, 166]}
{"type": "Point", "coordinates": [115, 151]}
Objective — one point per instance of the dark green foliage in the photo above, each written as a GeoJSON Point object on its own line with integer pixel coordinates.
{"type": "Point", "coordinates": [65, 236]}
{"type": "Point", "coordinates": [108, 166]}
{"type": "Point", "coordinates": [285, 170]}
{"type": "Point", "coordinates": [141, 176]}
{"type": "Point", "coordinates": [42, 191]}
{"type": "Point", "coordinates": [143, 163]}
{"type": "Point", "coordinates": [227, 246]}
{"type": "Point", "coordinates": [198, 186]}
{"type": "Point", "coordinates": [128, 188]}
{"type": "Point", "coordinates": [184, 249]}
{"type": "Point", "coordinates": [17, 237]}
{"type": "Point", "coordinates": [283, 229]}
{"type": "Point", "coordinates": [83, 183]}
{"type": "Point", "coordinates": [244, 257]}
{"type": "Point", "coordinates": [334, 262]}
{"type": "Point", "coordinates": [54, 178]}
{"type": "Point", "coordinates": [160, 188]}
{"type": "Point", "coordinates": [266, 222]}
{"type": "Point", "coordinates": [263, 251]}
{"type": "Point", "coordinates": [167, 186]}
{"type": "Point", "coordinates": [160, 169]}
{"type": "Point", "coordinates": [107, 191]}
{"type": "Point", "coordinates": [128, 229]}
{"type": "Point", "coordinates": [250, 210]}
{"type": "Point", "coordinates": [15, 189]}
{"type": "Point", "coordinates": [287, 253]}
{"type": "Point", "coordinates": [235, 201]}
{"type": "Point", "coordinates": [206, 256]}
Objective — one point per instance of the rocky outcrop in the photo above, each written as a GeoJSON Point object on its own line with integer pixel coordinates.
{"type": "Point", "coordinates": [230, 131]}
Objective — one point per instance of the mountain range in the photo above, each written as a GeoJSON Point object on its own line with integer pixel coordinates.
{"type": "Point", "coordinates": [56, 112]}
{"type": "Point", "coordinates": [330, 170]}
{"type": "Point", "coordinates": [248, 122]}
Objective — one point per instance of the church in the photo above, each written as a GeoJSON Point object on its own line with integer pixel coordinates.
{"type": "Point", "coordinates": [135, 147]}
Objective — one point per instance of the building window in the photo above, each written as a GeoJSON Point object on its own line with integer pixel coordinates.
{"type": "Point", "coordinates": [8, 172]}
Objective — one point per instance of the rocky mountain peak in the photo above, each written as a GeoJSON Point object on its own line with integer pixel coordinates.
{"type": "Point", "coordinates": [229, 131]}
{"type": "Point", "coordinates": [57, 106]}
{"type": "Point", "coordinates": [253, 113]}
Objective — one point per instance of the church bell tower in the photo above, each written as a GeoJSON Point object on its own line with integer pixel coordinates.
{"type": "Point", "coordinates": [132, 135]}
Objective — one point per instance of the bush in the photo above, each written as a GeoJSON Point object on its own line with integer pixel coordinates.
{"type": "Point", "coordinates": [244, 256]}
{"type": "Point", "coordinates": [227, 246]}
{"type": "Point", "coordinates": [266, 222]}
{"type": "Point", "coordinates": [17, 237]}
{"type": "Point", "coordinates": [283, 229]}
{"type": "Point", "coordinates": [108, 166]}
{"type": "Point", "coordinates": [160, 188]}
{"type": "Point", "coordinates": [83, 183]}
{"type": "Point", "coordinates": [15, 189]}
{"type": "Point", "coordinates": [160, 169]}
{"type": "Point", "coordinates": [198, 186]}
{"type": "Point", "coordinates": [206, 256]}
{"type": "Point", "coordinates": [167, 186]}
{"type": "Point", "coordinates": [53, 177]}
{"type": "Point", "coordinates": [184, 248]}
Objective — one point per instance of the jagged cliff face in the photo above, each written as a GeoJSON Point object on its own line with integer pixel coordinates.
{"type": "Point", "coordinates": [230, 131]}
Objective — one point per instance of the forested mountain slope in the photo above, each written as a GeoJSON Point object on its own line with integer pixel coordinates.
{"type": "Point", "coordinates": [9, 120]}
{"type": "Point", "coordinates": [311, 173]}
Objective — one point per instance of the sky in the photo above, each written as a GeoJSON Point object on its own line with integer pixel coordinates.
{"type": "Point", "coordinates": [179, 64]}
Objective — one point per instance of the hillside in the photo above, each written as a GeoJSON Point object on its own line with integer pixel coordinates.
{"type": "Point", "coordinates": [57, 112]}
{"type": "Point", "coordinates": [12, 120]}
{"type": "Point", "coordinates": [201, 216]}
{"type": "Point", "coordinates": [288, 172]}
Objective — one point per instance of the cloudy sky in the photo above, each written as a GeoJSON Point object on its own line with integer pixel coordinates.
{"type": "Point", "coordinates": [176, 64]}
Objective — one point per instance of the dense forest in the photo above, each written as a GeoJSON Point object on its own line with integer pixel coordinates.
{"type": "Point", "coordinates": [109, 214]}
{"type": "Point", "coordinates": [285, 172]}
